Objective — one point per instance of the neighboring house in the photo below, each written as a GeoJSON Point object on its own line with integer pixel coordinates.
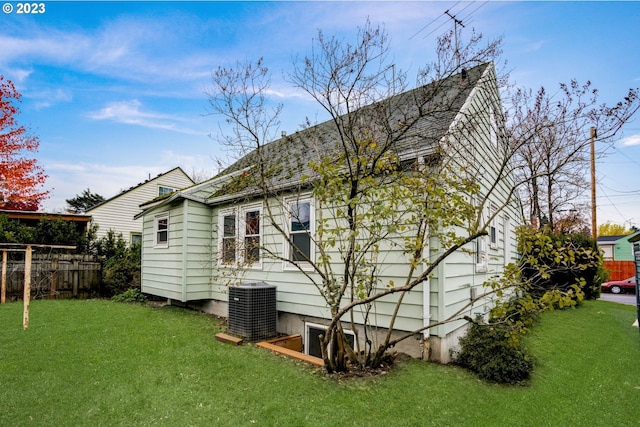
{"type": "Point", "coordinates": [190, 237]}
{"type": "Point", "coordinates": [617, 252]}
{"type": "Point", "coordinates": [117, 213]}
{"type": "Point", "coordinates": [617, 248]}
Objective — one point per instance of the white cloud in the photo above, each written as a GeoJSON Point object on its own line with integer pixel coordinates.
{"type": "Point", "coordinates": [69, 179]}
{"type": "Point", "coordinates": [50, 97]}
{"type": "Point", "coordinates": [148, 50]}
{"type": "Point", "coordinates": [631, 140]}
{"type": "Point", "coordinates": [534, 46]}
{"type": "Point", "coordinates": [130, 112]}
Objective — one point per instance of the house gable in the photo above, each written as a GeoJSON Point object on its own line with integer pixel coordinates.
{"type": "Point", "coordinates": [118, 213]}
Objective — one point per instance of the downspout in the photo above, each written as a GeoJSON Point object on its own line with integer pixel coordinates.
{"type": "Point", "coordinates": [426, 315]}
{"type": "Point", "coordinates": [185, 212]}
{"type": "Point", "coordinates": [426, 289]}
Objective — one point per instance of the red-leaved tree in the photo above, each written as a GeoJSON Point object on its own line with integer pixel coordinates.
{"type": "Point", "coordinates": [21, 178]}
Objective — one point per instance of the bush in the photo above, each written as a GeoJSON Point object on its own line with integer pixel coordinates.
{"type": "Point", "coordinates": [130, 295]}
{"type": "Point", "coordinates": [121, 264]}
{"type": "Point", "coordinates": [490, 352]}
{"type": "Point", "coordinates": [560, 262]}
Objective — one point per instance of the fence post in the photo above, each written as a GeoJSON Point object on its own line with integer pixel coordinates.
{"type": "Point", "coordinates": [27, 287]}
{"type": "Point", "coordinates": [3, 291]}
{"type": "Point", "coordinates": [54, 276]}
{"type": "Point", "coordinates": [75, 276]}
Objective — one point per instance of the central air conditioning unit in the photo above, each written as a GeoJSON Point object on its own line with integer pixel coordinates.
{"type": "Point", "coordinates": [252, 311]}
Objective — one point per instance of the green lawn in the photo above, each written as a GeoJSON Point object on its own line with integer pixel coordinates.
{"type": "Point", "coordinates": [103, 363]}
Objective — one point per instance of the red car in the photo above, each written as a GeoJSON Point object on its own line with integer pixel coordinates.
{"type": "Point", "coordinates": [619, 286]}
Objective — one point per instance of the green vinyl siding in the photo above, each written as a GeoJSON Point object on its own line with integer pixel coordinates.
{"type": "Point", "coordinates": [451, 288]}
{"type": "Point", "coordinates": [297, 294]}
{"type": "Point", "coordinates": [180, 271]}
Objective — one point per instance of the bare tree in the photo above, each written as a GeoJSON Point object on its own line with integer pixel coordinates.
{"type": "Point", "coordinates": [551, 135]}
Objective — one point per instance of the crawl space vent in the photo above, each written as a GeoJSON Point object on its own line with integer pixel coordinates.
{"type": "Point", "coordinates": [252, 311]}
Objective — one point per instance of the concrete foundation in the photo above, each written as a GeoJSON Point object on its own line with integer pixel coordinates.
{"type": "Point", "coordinates": [435, 349]}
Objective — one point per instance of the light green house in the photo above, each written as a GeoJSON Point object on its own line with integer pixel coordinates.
{"type": "Point", "coordinates": [192, 236]}
{"type": "Point", "coordinates": [617, 248]}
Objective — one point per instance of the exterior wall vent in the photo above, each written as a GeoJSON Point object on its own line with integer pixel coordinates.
{"type": "Point", "coordinates": [252, 311]}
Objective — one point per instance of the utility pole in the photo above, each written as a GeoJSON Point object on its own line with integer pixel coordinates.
{"type": "Point", "coordinates": [594, 223]}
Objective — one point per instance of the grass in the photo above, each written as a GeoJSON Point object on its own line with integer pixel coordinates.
{"type": "Point", "coordinates": [103, 363]}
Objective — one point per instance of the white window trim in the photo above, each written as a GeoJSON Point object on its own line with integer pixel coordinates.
{"type": "Point", "coordinates": [167, 187]}
{"type": "Point", "coordinates": [241, 231]}
{"type": "Point", "coordinates": [133, 235]}
{"type": "Point", "coordinates": [493, 227]}
{"type": "Point", "coordinates": [308, 325]}
{"type": "Point", "coordinates": [221, 214]}
{"type": "Point", "coordinates": [156, 221]}
{"type": "Point", "coordinates": [239, 214]}
{"type": "Point", "coordinates": [286, 249]}
{"type": "Point", "coordinates": [481, 253]}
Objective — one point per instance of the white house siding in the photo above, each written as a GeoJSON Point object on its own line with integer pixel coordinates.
{"type": "Point", "coordinates": [118, 213]}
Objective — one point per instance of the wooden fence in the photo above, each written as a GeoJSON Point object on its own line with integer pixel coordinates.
{"type": "Point", "coordinates": [620, 270]}
{"type": "Point", "coordinates": [54, 276]}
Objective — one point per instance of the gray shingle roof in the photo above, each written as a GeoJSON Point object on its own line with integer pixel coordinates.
{"type": "Point", "coordinates": [409, 124]}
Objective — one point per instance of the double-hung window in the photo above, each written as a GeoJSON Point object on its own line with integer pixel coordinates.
{"type": "Point", "coordinates": [162, 231]}
{"type": "Point", "coordinates": [240, 236]}
{"type": "Point", "coordinates": [252, 235]}
{"type": "Point", "coordinates": [300, 219]}
{"type": "Point", "coordinates": [228, 238]}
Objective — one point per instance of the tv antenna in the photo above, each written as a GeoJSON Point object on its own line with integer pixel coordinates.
{"type": "Point", "coordinates": [437, 23]}
{"type": "Point", "coordinates": [456, 22]}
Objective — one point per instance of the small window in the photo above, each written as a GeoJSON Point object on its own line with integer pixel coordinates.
{"type": "Point", "coordinates": [312, 339]}
{"type": "Point", "coordinates": [162, 190]}
{"type": "Point", "coordinates": [162, 231]}
{"type": "Point", "coordinates": [251, 236]}
{"type": "Point", "coordinates": [493, 228]}
{"type": "Point", "coordinates": [135, 238]}
{"type": "Point", "coordinates": [481, 254]}
{"type": "Point", "coordinates": [300, 223]}
{"type": "Point", "coordinates": [228, 249]}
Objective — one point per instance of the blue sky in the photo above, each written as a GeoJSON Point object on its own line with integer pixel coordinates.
{"type": "Point", "coordinates": [116, 90]}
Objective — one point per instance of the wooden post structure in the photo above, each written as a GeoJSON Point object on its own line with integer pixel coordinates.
{"type": "Point", "coordinates": [3, 291]}
{"type": "Point", "coordinates": [27, 287]}
{"type": "Point", "coordinates": [54, 277]}
{"type": "Point", "coordinates": [27, 271]}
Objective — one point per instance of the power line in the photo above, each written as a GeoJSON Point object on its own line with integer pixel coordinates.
{"type": "Point", "coordinates": [452, 14]}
